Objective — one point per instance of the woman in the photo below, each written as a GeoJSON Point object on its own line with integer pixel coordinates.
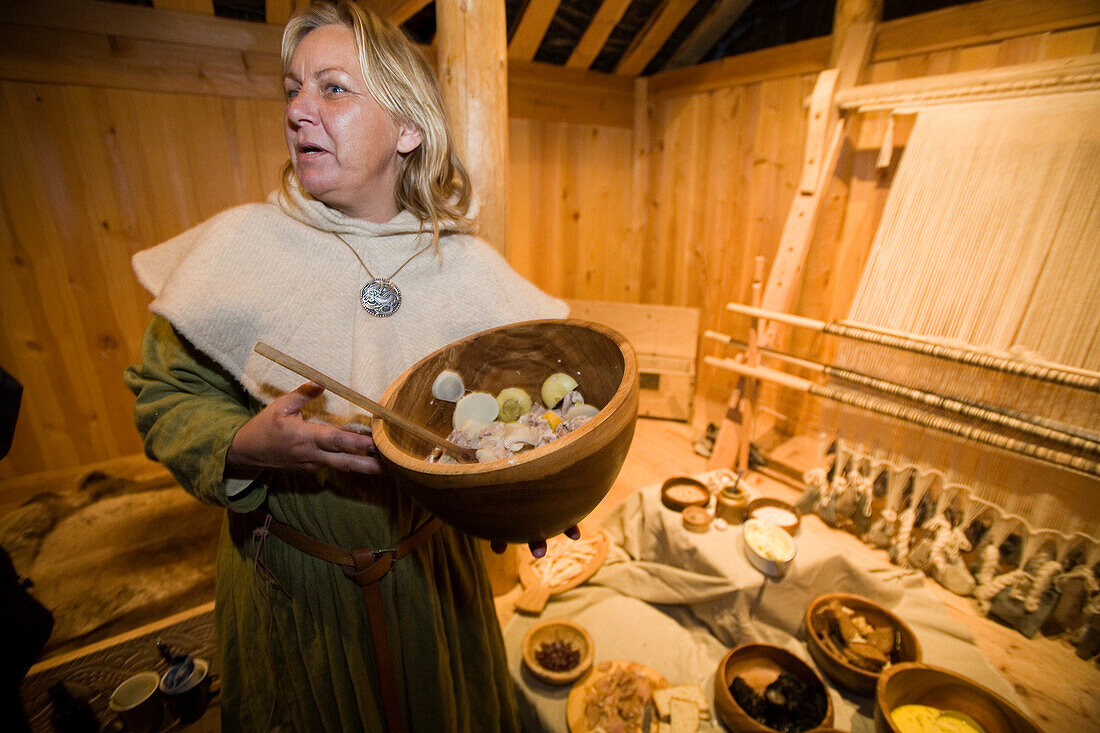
{"type": "Point", "coordinates": [359, 267]}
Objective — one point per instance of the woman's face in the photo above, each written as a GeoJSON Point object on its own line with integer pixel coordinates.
{"type": "Point", "coordinates": [344, 147]}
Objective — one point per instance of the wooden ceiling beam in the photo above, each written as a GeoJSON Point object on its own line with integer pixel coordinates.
{"type": "Point", "coordinates": [718, 20]}
{"type": "Point", "coordinates": [649, 41]}
{"type": "Point", "coordinates": [150, 24]}
{"type": "Point", "coordinates": [396, 10]}
{"type": "Point", "coordinates": [532, 27]}
{"type": "Point", "coordinates": [597, 33]}
{"type": "Point", "coordinates": [190, 6]}
{"type": "Point", "coordinates": [278, 12]}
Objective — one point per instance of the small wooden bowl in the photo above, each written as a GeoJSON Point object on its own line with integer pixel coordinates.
{"type": "Point", "coordinates": [758, 665]}
{"type": "Point", "coordinates": [558, 630]}
{"type": "Point", "coordinates": [764, 501]}
{"type": "Point", "coordinates": [920, 684]}
{"type": "Point", "coordinates": [680, 492]}
{"type": "Point", "coordinates": [840, 670]}
{"type": "Point", "coordinates": [538, 493]}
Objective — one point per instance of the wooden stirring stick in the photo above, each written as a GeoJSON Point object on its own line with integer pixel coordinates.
{"type": "Point", "coordinates": [465, 455]}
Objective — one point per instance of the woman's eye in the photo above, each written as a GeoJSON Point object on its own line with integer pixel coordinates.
{"type": "Point", "coordinates": [291, 94]}
{"type": "Point", "coordinates": [334, 88]}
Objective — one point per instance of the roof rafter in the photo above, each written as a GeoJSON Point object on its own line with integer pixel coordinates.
{"type": "Point", "coordinates": [597, 33]}
{"type": "Point", "coordinates": [396, 10]}
{"type": "Point", "coordinates": [532, 27]}
{"type": "Point", "coordinates": [719, 19]}
{"type": "Point", "coordinates": [653, 36]}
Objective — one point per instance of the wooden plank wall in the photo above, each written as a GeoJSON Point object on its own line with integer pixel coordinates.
{"type": "Point", "coordinates": [126, 125]}
{"type": "Point", "coordinates": [725, 160]}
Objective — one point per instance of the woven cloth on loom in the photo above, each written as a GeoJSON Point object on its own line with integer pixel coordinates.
{"type": "Point", "coordinates": [991, 238]}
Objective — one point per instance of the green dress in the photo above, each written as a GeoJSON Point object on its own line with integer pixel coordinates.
{"type": "Point", "coordinates": [294, 637]}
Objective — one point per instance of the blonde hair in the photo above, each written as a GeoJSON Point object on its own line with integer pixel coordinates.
{"type": "Point", "coordinates": [432, 182]}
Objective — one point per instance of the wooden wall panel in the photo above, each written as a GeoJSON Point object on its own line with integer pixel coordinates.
{"type": "Point", "coordinates": [854, 203]}
{"type": "Point", "coordinates": [570, 205]}
{"type": "Point", "coordinates": [142, 128]}
{"type": "Point", "coordinates": [125, 132]}
{"type": "Point", "coordinates": [93, 176]}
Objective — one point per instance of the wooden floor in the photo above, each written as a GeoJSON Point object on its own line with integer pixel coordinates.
{"type": "Point", "coordinates": [1061, 690]}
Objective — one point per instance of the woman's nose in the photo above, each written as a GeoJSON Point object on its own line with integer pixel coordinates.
{"type": "Point", "coordinates": [302, 109]}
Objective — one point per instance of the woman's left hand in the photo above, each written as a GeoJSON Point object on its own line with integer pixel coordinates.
{"type": "Point", "coordinates": [538, 549]}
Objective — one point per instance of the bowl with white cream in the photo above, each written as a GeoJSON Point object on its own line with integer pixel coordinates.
{"type": "Point", "coordinates": [768, 547]}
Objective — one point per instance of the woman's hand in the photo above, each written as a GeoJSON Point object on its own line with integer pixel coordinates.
{"type": "Point", "coordinates": [538, 549]}
{"type": "Point", "coordinates": [279, 437]}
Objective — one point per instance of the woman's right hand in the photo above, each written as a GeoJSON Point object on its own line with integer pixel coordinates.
{"type": "Point", "coordinates": [279, 437]}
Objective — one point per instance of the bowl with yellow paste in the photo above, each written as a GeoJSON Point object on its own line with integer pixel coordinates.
{"type": "Point", "coordinates": [918, 698]}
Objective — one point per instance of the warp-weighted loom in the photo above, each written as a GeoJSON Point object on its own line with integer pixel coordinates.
{"type": "Point", "coordinates": [963, 397]}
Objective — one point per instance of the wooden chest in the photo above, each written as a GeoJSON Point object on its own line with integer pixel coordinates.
{"type": "Point", "coordinates": [665, 338]}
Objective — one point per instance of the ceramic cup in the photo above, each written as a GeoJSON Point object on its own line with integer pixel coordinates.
{"type": "Point", "coordinates": [138, 703]}
{"type": "Point", "coordinates": [188, 699]}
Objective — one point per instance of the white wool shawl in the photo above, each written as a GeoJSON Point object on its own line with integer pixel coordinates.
{"type": "Point", "coordinates": [275, 272]}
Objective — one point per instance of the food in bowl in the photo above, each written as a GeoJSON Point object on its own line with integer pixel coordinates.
{"type": "Point", "coordinates": [787, 704]}
{"type": "Point", "coordinates": [500, 426]}
{"type": "Point", "coordinates": [775, 515]}
{"type": "Point", "coordinates": [769, 540]}
{"type": "Point", "coordinates": [852, 637]}
{"type": "Point", "coordinates": [558, 655]}
{"type": "Point", "coordinates": [927, 719]}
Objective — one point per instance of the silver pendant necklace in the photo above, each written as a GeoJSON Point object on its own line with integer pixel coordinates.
{"type": "Point", "coordinates": [380, 296]}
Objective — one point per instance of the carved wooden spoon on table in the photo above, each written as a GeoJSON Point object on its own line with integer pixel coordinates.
{"type": "Point", "coordinates": [463, 455]}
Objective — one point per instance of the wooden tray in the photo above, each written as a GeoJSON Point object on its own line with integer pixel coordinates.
{"type": "Point", "coordinates": [574, 706]}
{"type": "Point", "coordinates": [536, 592]}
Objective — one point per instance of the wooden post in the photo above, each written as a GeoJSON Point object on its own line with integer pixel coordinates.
{"type": "Point", "coordinates": [472, 54]}
{"type": "Point", "coordinates": [472, 58]}
{"type": "Point", "coordinates": [751, 396]}
{"type": "Point", "coordinates": [847, 14]}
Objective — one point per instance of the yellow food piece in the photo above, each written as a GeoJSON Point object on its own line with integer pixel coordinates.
{"type": "Point", "coordinates": [552, 420]}
{"type": "Point", "coordinates": [514, 403]}
{"type": "Point", "coordinates": [925, 719]}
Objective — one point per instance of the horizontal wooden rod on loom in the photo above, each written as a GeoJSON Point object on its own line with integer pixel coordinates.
{"type": "Point", "coordinates": [911, 415]}
{"type": "Point", "coordinates": [1072, 74]}
{"type": "Point", "coordinates": [1069, 435]}
{"type": "Point", "coordinates": [1056, 373]}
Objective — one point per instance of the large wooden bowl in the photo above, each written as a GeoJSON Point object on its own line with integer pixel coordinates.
{"type": "Point", "coordinates": [759, 665]}
{"type": "Point", "coordinates": [839, 669]}
{"type": "Point", "coordinates": [539, 493]}
{"type": "Point", "coordinates": [921, 684]}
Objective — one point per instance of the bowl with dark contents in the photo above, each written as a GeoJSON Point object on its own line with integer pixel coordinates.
{"type": "Point", "coordinates": [557, 651]}
{"type": "Point", "coordinates": [760, 688]}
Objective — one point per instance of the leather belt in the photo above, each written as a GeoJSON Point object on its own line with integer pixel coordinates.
{"type": "Point", "coordinates": [366, 568]}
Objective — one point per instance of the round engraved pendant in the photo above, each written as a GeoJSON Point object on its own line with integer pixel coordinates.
{"type": "Point", "coordinates": [380, 298]}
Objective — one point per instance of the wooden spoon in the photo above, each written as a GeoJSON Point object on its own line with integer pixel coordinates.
{"type": "Point", "coordinates": [465, 455]}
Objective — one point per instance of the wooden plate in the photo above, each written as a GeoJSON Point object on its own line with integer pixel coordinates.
{"type": "Point", "coordinates": [555, 548]}
{"type": "Point", "coordinates": [574, 707]}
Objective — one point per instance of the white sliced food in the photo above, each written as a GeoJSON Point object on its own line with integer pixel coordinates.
{"type": "Point", "coordinates": [516, 436]}
{"type": "Point", "coordinates": [479, 407]}
{"type": "Point", "coordinates": [582, 410]}
{"type": "Point", "coordinates": [448, 386]}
